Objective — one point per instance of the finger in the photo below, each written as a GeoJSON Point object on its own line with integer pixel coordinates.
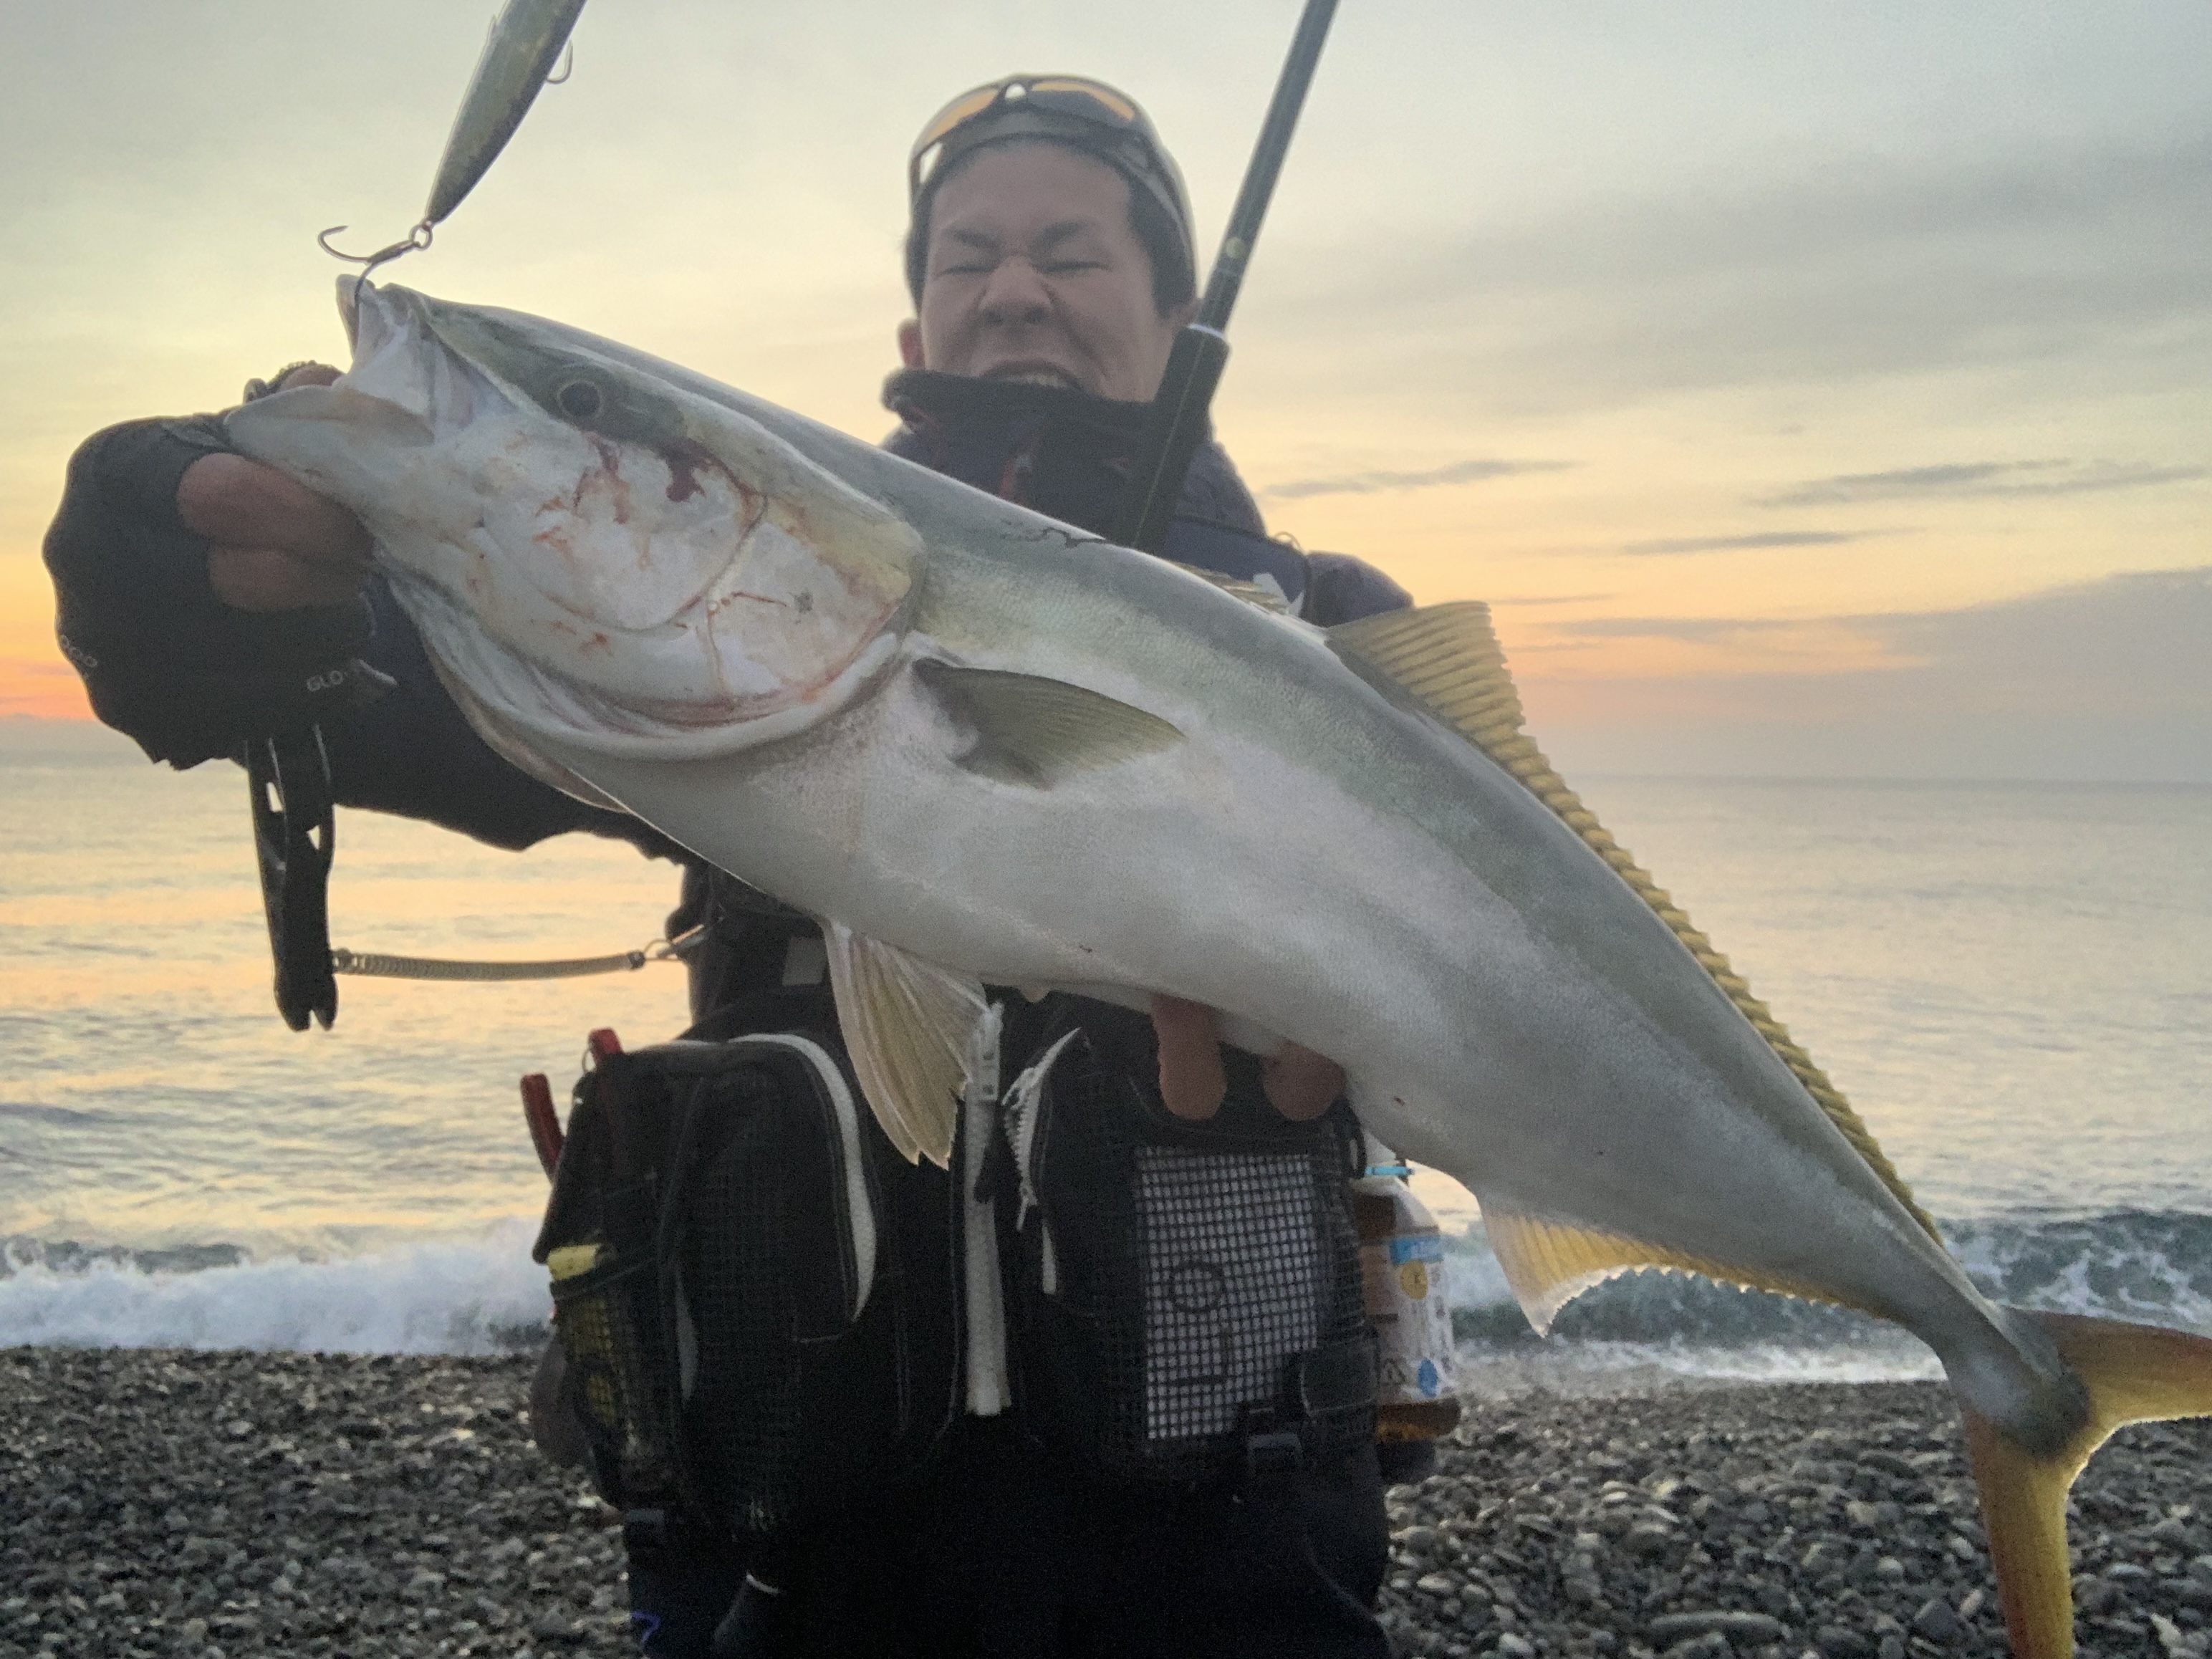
{"type": "Point", "coordinates": [1300, 1084]}
{"type": "Point", "coordinates": [233, 501]}
{"type": "Point", "coordinates": [264, 578]}
{"type": "Point", "coordinates": [309, 375]}
{"type": "Point", "coordinates": [1192, 1081]}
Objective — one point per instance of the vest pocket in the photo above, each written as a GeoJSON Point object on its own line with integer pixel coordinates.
{"type": "Point", "coordinates": [727, 1286]}
{"type": "Point", "coordinates": [1175, 1289]}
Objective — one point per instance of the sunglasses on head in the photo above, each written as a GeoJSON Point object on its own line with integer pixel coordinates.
{"type": "Point", "coordinates": [1072, 109]}
{"type": "Point", "coordinates": [1074, 98]}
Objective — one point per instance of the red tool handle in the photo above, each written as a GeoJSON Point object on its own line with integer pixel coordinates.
{"type": "Point", "coordinates": [537, 1103]}
{"type": "Point", "coordinates": [545, 1123]}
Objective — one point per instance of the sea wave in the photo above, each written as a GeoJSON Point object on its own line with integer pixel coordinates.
{"type": "Point", "coordinates": [484, 1294]}
{"type": "Point", "coordinates": [2155, 1267]}
{"type": "Point", "coordinates": [468, 1296]}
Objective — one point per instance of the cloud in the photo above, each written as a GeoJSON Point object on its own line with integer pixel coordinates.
{"type": "Point", "coordinates": [1862, 270]}
{"type": "Point", "coordinates": [1980, 479]}
{"type": "Point", "coordinates": [1763, 538]}
{"type": "Point", "coordinates": [2127, 628]}
{"type": "Point", "coordinates": [2106, 679]}
{"type": "Point", "coordinates": [1375, 484]}
{"type": "Point", "coordinates": [1693, 631]}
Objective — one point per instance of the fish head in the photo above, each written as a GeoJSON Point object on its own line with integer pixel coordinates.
{"type": "Point", "coordinates": [594, 555]}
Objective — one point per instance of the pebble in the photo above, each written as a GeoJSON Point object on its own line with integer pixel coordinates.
{"type": "Point", "coordinates": [1776, 1522]}
{"type": "Point", "coordinates": [369, 1507]}
{"type": "Point", "coordinates": [1757, 1628]}
{"type": "Point", "coordinates": [383, 1506]}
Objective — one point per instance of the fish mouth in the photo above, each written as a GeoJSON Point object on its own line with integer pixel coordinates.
{"type": "Point", "coordinates": [372, 315]}
{"type": "Point", "coordinates": [400, 359]}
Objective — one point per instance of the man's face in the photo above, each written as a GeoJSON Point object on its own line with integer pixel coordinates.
{"type": "Point", "coordinates": [1034, 274]}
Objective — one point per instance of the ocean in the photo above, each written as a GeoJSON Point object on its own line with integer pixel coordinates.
{"type": "Point", "coordinates": [2013, 983]}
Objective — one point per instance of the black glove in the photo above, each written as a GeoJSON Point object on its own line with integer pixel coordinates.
{"type": "Point", "coordinates": [165, 661]}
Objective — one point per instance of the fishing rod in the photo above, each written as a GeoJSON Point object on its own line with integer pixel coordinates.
{"type": "Point", "coordinates": [1177, 423]}
{"type": "Point", "coordinates": [289, 774]}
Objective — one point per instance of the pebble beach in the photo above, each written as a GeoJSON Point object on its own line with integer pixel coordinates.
{"type": "Point", "coordinates": [213, 1504]}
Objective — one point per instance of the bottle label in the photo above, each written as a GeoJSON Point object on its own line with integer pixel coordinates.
{"type": "Point", "coordinates": [1407, 1303]}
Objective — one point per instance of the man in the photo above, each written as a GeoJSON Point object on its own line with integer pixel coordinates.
{"type": "Point", "coordinates": [1051, 263]}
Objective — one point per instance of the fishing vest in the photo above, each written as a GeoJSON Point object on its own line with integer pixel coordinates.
{"type": "Point", "coordinates": [765, 1312]}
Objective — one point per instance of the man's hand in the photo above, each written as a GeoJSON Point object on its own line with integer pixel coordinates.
{"type": "Point", "coordinates": [1301, 1084]}
{"type": "Point", "coordinates": [277, 545]}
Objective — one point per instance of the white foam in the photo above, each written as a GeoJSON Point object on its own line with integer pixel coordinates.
{"type": "Point", "coordinates": [460, 1296]}
{"type": "Point", "coordinates": [1588, 1369]}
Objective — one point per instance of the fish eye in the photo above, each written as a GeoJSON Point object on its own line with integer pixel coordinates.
{"type": "Point", "coordinates": [579, 400]}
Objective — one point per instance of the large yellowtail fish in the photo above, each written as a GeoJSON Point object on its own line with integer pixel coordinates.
{"type": "Point", "coordinates": [985, 748]}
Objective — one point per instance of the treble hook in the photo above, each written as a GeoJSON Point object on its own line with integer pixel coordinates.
{"type": "Point", "coordinates": [413, 241]}
{"type": "Point", "coordinates": [567, 65]}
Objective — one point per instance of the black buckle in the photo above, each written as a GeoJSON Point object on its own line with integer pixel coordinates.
{"type": "Point", "coordinates": [1274, 1455]}
{"type": "Point", "coordinates": [1338, 1377]}
{"type": "Point", "coordinates": [644, 1532]}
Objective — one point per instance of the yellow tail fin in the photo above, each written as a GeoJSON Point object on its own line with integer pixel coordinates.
{"type": "Point", "coordinates": [2134, 1374]}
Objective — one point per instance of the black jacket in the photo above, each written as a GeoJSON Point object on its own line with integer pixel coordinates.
{"type": "Point", "coordinates": [190, 679]}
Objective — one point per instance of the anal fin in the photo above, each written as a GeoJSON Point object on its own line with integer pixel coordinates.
{"type": "Point", "coordinates": [1549, 1263]}
{"type": "Point", "coordinates": [907, 1024]}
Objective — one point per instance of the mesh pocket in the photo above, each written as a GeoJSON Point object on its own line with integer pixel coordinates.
{"type": "Point", "coordinates": [612, 1384]}
{"type": "Point", "coordinates": [742, 1409]}
{"type": "Point", "coordinates": [1233, 1283]}
{"type": "Point", "coordinates": [713, 1238]}
{"type": "Point", "coordinates": [1177, 1280]}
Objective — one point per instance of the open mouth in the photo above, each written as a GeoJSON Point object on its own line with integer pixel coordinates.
{"type": "Point", "coordinates": [1034, 373]}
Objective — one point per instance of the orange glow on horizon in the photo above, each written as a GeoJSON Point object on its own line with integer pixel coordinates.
{"type": "Point", "coordinates": [42, 691]}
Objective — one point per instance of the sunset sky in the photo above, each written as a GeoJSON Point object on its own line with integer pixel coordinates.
{"type": "Point", "coordinates": [1814, 388]}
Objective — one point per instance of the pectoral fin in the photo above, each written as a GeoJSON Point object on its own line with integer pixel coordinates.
{"type": "Point", "coordinates": [1024, 729]}
{"type": "Point", "coordinates": [1550, 1263]}
{"type": "Point", "coordinates": [907, 1023]}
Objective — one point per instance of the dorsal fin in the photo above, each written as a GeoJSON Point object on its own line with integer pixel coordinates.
{"type": "Point", "coordinates": [1258, 594]}
{"type": "Point", "coordinates": [1447, 659]}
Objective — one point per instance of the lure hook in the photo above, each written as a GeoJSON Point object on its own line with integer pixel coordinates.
{"type": "Point", "coordinates": [413, 241]}
{"type": "Point", "coordinates": [567, 65]}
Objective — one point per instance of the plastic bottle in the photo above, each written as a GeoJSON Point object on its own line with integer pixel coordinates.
{"type": "Point", "coordinates": [1401, 1260]}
